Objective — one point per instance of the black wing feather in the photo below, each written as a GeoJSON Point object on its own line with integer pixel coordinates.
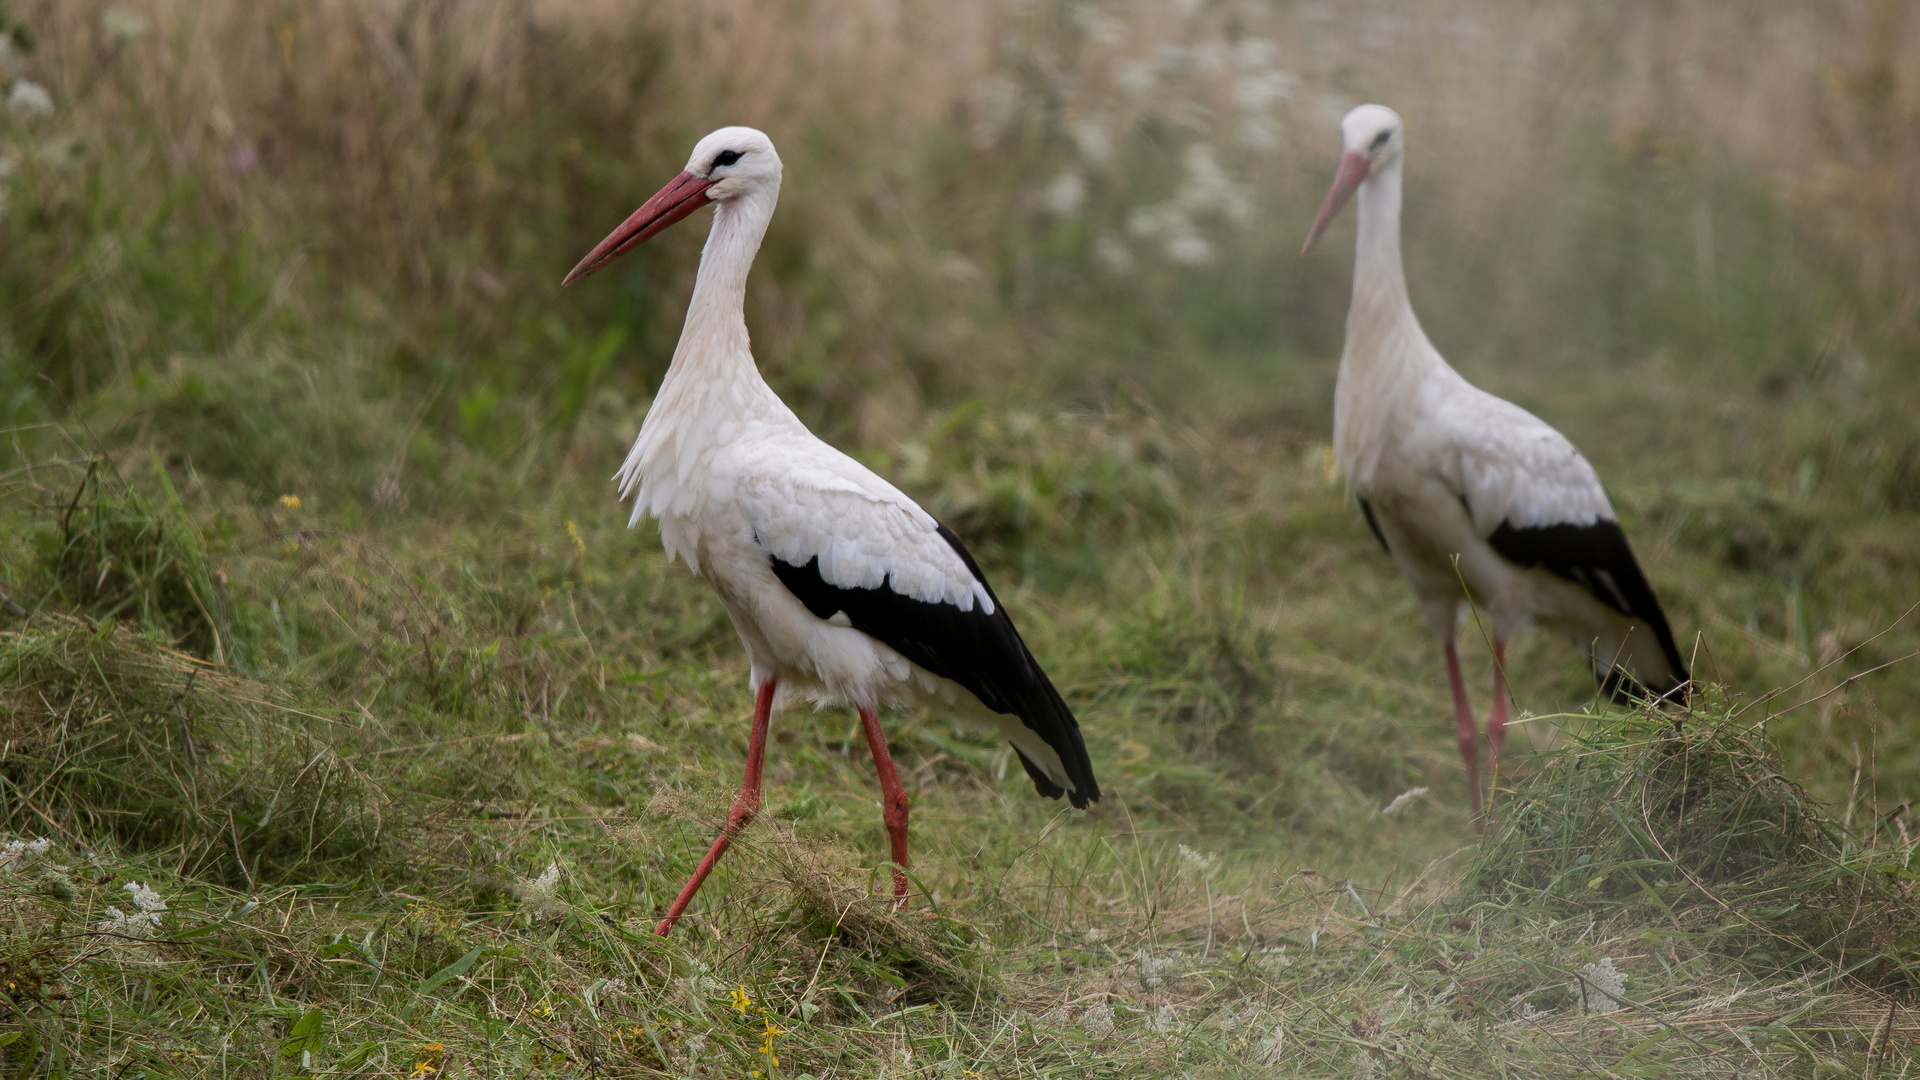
{"type": "Point", "coordinates": [1367, 512]}
{"type": "Point", "coordinates": [981, 652]}
{"type": "Point", "coordinates": [1597, 558]}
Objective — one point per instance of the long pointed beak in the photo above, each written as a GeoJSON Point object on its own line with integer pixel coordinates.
{"type": "Point", "coordinates": [682, 196]}
{"type": "Point", "coordinates": [1353, 169]}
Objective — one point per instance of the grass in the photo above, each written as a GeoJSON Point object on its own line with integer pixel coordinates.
{"type": "Point", "coordinates": [318, 622]}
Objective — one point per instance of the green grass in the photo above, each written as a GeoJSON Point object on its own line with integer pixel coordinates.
{"type": "Point", "coordinates": [318, 617]}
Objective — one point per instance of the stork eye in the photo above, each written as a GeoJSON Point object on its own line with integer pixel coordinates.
{"type": "Point", "coordinates": [1380, 140]}
{"type": "Point", "coordinates": [727, 157]}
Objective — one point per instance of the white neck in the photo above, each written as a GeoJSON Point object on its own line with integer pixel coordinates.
{"type": "Point", "coordinates": [1380, 307]}
{"type": "Point", "coordinates": [1387, 354]}
{"type": "Point", "coordinates": [713, 343]}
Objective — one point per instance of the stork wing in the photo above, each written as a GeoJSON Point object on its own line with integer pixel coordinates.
{"type": "Point", "coordinates": [1539, 503]}
{"type": "Point", "coordinates": [849, 545]}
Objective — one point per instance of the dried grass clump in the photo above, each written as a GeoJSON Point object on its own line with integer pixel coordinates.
{"type": "Point", "coordinates": [113, 734]}
{"type": "Point", "coordinates": [840, 920]}
{"type": "Point", "coordinates": [1697, 827]}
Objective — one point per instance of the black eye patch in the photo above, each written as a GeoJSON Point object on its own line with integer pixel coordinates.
{"type": "Point", "coordinates": [1380, 140]}
{"type": "Point", "coordinates": [727, 157]}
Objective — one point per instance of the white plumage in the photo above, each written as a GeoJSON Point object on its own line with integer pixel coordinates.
{"type": "Point", "coordinates": [1445, 471]}
{"type": "Point", "coordinates": [843, 590]}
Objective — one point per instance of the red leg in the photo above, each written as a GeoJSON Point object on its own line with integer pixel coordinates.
{"type": "Point", "coordinates": [893, 800]}
{"type": "Point", "coordinates": [1497, 716]}
{"type": "Point", "coordinates": [745, 806]}
{"type": "Point", "coordinates": [1466, 729]}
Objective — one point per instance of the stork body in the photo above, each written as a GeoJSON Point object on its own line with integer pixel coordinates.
{"type": "Point", "coordinates": [1476, 499]}
{"type": "Point", "coordinates": [843, 590]}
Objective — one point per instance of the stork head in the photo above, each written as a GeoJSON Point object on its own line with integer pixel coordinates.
{"type": "Point", "coordinates": [1373, 139]}
{"type": "Point", "coordinates": [730, 164]}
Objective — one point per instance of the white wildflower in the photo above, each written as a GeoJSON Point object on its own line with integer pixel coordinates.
{"type": "Point", "coordinates": [1260, 131]}
{"type": "Point", "coordinates": [1064, 197]}
{"type": "Point", "coordinates": [1094, 139]}
{"type": "Point", "coordinates": [1208, 186]}
{"type": "Point", "coordinates": [1209, 56]}
{"type": "Point", "coordinates": [1267, 1051]}
{"type": "Point", "coordinates": [686, 1053]}
{"type": "Point", "coordinates": [1100, 28]}
{"type": "Point", "coordinates": [122, 26]}
{"type": "Point", "coordinates": [1262, 90]}
{"type": "Point", "coordinates": [1188, 248]}
{"type": "Point", "coordinates": [607, 990]}
{"type": "Point", "coordinates": [142, 922]}
{"type": "Point", "coordinates": [997, 99]}
{"type": "Point", "coordinates": [18, 852]}
{"type": "Point", "coordinates": [389, 493]}
{"type": "Point", "coordinates": [1153, 969]}
{"type": "Point", "coordinates": [29, 99]}
{"type": "Point", "coordinates": [1401, 800]}
{"type": "Point", "coordinates": [1054, 1019]}
{"type": "Point", "coordinates": [1098, 1022]}
{"type": "Point", "coordinates": [145, 898]}
{"type": "Point", "coordinates": [537, 895]}
{"type": "Point", "coordinates": [1601, 990]}
{"type": "Point", "coordinates": [1198, 863]}
{"type": "Point", "coordinates": [1111, 253]}
{"type": "Point", "coordinates": [1137, 76]}
{"type": "Point", "coordinates": [699, 987]}
{"type": "Point", "coordinates": [1094, 935]}
{"type": "Point", "coordinates": [1255, 53]}
{"type": "Point", "coordinates": [1162, 1022]}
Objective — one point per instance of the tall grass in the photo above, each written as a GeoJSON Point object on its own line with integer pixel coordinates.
{"type": "Point", "coordinates": [1589, 186]}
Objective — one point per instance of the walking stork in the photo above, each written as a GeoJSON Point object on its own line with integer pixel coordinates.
{"type": "Point", "coordinates": [1461, 487]}
{"type": "Point", "coordinates": [843, 590]}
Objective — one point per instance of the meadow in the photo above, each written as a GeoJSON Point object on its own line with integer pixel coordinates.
{"type": "Point", "coordinates": [366, 739]}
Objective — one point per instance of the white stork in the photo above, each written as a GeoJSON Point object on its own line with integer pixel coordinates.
{"type": "Point", "coordinates": [1463, 488]}
{"type": "Point", "coordinates": [843, 590]}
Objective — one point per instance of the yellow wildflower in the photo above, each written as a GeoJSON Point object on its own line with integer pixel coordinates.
{"type": "Point", "coordinates": [742, 1001]}
{"type": "Point", "coordinates": [430, 1057]}
{"type": "Point", "coordinates": [573, 534]}
{"type": "Point", "coordinates": [291, 502]}
{"type": "Point", "coordinates": [767, 1039]}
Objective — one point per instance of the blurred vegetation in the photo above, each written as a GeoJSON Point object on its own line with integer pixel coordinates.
{"type": "Point", "coordinates": [316, 613]}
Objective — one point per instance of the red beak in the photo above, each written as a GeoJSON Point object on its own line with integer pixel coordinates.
{"type": "Point", "coordinates": [682, 196]}
{"type": "Point", "coordinates": [1353, 169]}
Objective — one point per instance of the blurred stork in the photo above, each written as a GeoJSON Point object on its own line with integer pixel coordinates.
{"type": "Point", "coordinates": [842, 589]}
{"type": "Point", "coordinates": [1476, 499]}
